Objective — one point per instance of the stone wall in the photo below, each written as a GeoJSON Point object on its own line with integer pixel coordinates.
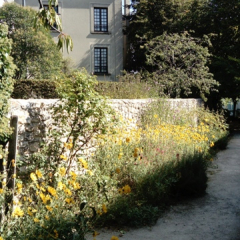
{"type": "Point", "coordinates": [34, 118]}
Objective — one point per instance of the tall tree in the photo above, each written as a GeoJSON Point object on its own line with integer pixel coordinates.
{"type": "Point", "coordinates": [179, 65]}
{"type": "Point", "coordinates": [152, 18]}
{"type": "Point", "coordinates": [35, 53]}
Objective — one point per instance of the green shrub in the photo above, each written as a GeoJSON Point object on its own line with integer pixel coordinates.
{"type": "Point", "coordinates": [25, 89]}
{"type": "Point", "coordinates": [129, 86]}
{"type": "Point", "coordinates": [7, 69]}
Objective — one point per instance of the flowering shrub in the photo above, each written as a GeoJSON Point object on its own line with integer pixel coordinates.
{"type": "Point", "coordinates": [129, 177]}
{"type": "Point", "coordinates": [154, 164]}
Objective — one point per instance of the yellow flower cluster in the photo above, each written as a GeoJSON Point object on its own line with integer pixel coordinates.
{"type": "Point", "coordinates": [45, 198]}
{"type": "Point", "coordinates": [52, 191]}
{"type": "Point", "coordinates": [114, 238]}
{"type": "Point", "coordinates": [19, 187]}
{"type": "Point", "coordinates": [83, 162]}
{"type": "Point", "coordinates": [18, 212]}
{"type": "Point", "coordinates": [125, 189]}
{"type": "Point", "coordinates": [68, 145]}
{"type": "Point", "coordinates": [103, 210]}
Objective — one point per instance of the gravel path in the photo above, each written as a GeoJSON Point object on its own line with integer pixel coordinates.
{"type": "Point", "coordinates": [215, 216]}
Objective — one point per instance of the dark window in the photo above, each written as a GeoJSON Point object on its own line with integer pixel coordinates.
{"type": "Point", "coordinates": [100, 19]}
{"type": "Point", "coordinates": [100, 60]}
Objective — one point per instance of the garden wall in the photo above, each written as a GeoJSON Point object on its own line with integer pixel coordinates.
{"type": "Point", "coordinates": [34, 118]}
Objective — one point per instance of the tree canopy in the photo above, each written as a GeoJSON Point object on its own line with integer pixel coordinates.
{"type": "Point", "coordinates": [218, 19]}
{"type": "Point", "coordinates": [179, 65]}
{"type": "Point", "coordinates": [34, 52]}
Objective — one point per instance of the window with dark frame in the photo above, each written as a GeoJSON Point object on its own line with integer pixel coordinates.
{"type": "Point", "coordinates": [100, 20]}
{"type": "Point", "coordinates": [100, 60]}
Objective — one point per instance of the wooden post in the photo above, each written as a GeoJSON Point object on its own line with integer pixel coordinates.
{"type": "Point", "coordinates": [11, 162]}
{"type": "Point", "coordinates": [12, 152]}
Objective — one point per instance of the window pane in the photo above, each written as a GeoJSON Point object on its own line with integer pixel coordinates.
{"type": "Point", "coordinates": [100, 60]}
{"type": "Point", "coordinates": [100, 19]}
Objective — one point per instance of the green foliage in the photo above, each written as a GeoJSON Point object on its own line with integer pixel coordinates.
{"type": "Point", "coordinates": [7, 69]}
{"type": "Point", "coordinates": [160, 169]}
{"type": "Point", "coordinates": [49, 19]}
{"type": "Point", "coordinates": [25, 89]}
{"type": "Point", "coordinates": [34, 52]}
{"type": "Point", "coordinates": [54, 201]}
{"type": "Point", "coordinates": [179, 65]}
{"type": "Point", "coordinates": [79, 116]}
{"type": "Point", "coordinates": [129, 86]}
{"type": "Point", "coordinates": [152, 18]}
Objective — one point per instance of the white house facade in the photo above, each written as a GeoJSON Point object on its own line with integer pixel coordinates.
{"type": "Point", "coordinates": [95, 27]}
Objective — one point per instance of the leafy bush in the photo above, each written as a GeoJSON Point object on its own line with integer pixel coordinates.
{"type": "Point", "coordinates": [25, 89]}
{"type": "Point", "coordinates": [156, 164]}
{"type": "Point", "coordinates": [51, 194]}
{"type": "Point", "coordinates": [129, 86]}
{"type": "Point", "coordinates": [7, 69]}
{"type": "Point", "coordinates": [35, 53]}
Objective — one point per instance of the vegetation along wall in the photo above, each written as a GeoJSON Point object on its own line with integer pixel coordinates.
{"type": "Point", "coordinates": [34, 118]}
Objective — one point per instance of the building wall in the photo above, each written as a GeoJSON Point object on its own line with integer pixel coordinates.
{"type": "Point", "coordinates": [77, 21]}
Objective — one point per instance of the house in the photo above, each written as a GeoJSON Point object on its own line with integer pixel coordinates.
{"type": "Point", "coordinates": [95, 27]}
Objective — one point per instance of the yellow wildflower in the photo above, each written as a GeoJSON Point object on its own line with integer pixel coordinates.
{"type": "Point", "coordinates": [69, 200]}
{"type": "Point", "coordinates": [60, 185]}
{"type": "Point", "coordinates": [99, 212]}
{"type": "Point", "coordinates": [83, 163]}
{"type": "Point", "coordinates": [68, 192]}
{"type": "Point", "coordinates": [56, 233]}
{"type": "Point", "coordinates": [62, 171]}
{"type": "Point", "coordinates": [45, 198]}
{"type": "Point", "coordinates": [128, 139]}
{"type": "Point", "coordinates": [68, 145]}
{"type": "Point", "coordinates": [74, 175]}
{"type": "Point", "coordinates": [104, 208]}
{"type": "Point", "coordinates": [135, 154]}
{"type": "Point", "coordinates": [126, 189]}
{"type": "Point", "coordinates": [120, 155]}
{"type": "Point", "coordinates": [75, 185]}
{"type": "Point", "coordinates": [36, 220]}
{"type": "Point", "coordinates": [212, 144]}
{"type": "Point", "coordinates": [90, 172]}
{"type": "Point", "coordinates": [18, 212]}
{"type": "Point", "coordinates": [63, 157]}
{"type": "Point", "coordinates": [49, 208]}
{"type": "Point", "coordinates": [1, 238]}
{"type": "Point", "coordinates": [38, 173]}
{"type": "Point", "coordinates": [19, 187]}
{"type": "Point", "coordinates": [1, 190]}
{"type": "Point", "coordinates": [114, 238]}
{"type": "Point", "coordinates": [33, 177]}
{"type": "Point", "coordinates": [52, 191]}
{"type": "Point", "coordinates": [29, 212]}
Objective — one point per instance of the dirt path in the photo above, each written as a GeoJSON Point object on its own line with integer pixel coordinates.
{"type": "Point", "coordinates": [215, 216]}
